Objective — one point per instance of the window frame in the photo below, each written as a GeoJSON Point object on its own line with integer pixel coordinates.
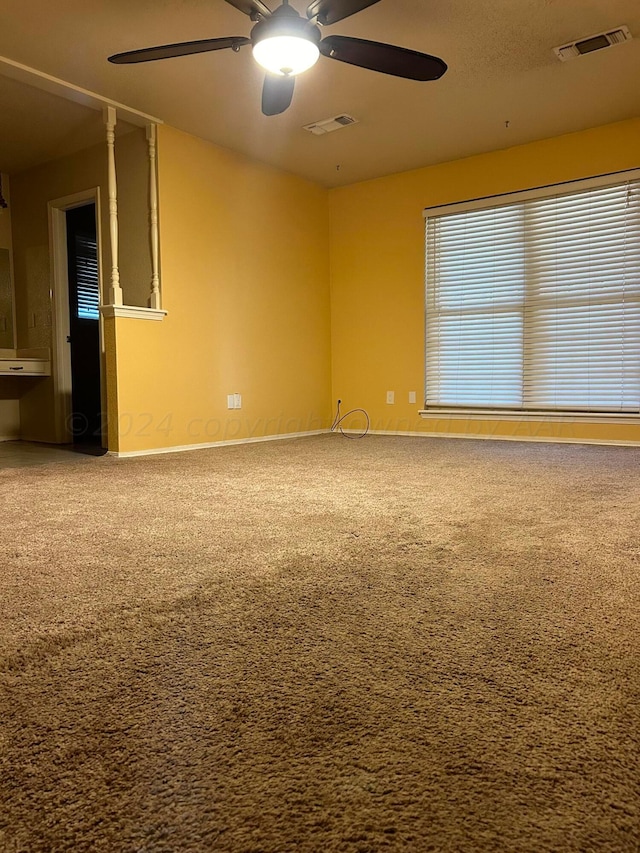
{"type": "Point", "coordinates": [488, 412]}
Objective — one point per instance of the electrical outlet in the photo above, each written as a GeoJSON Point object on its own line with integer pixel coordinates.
{"type": "Point", "coordinates": [391, 397]}
{"type": "Point", "coordinates": [237, 401]}
{"type": "Point", "coordinates": [412, 396]}
{"type": "Point", "coordinates": [231, 401]}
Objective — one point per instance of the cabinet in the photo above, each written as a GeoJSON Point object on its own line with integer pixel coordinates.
{"type": "Point", "coordinates": [25, 363]}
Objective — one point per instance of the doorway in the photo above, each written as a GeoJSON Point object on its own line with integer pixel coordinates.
{"type": "Point", "coordinates": [85, 423]}
{"type": "Point", "coordinates": [72, 305]}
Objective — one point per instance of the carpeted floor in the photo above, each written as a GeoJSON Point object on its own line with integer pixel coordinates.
{"type": "Point", "coordinates": [323, 645]}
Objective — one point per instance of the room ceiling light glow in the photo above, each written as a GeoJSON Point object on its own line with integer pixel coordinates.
{"type": "Point", "coordinates": [286, 55]}
{"type": "Point", "coordinates": [285, 44]}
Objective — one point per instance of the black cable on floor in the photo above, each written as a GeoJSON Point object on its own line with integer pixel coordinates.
{"type": "Point", "coordinates": [339, 418]}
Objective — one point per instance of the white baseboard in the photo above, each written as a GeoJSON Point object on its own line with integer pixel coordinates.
{"type": "Point", "coordinates": [185, 447]}
{"type": "Point", "coordinates": [479, 437]}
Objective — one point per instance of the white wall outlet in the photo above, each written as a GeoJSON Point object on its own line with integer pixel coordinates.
{"type": "Point", "coordinates": [237, 401]}
{"type": "Point", "coordinates": [32, 320]}
{"type": "Point", "coordinates": [231, 401]}
{"type": "Point", "coordinates": [391, 397]}
{"type": "Point", "coordinates": [412, 396]}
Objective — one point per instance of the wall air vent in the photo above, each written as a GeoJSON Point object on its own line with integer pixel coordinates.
{"type": "Point", "coordinates": [328, 125]}
{"type": "Point", "coordinates": [617, 35]}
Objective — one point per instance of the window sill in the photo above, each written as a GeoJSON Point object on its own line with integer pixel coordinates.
{"type": "Point", "coordinates": [543, 415]}
{"type": "Point", "coordinates": [133, 311]}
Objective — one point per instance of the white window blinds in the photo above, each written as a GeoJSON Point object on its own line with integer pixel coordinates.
{"type": "Point", "coordinates": [535, 304]}
{"type": "Point", "coordinates": [87, 279]}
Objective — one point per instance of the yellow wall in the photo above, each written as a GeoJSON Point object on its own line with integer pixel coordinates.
{"type": "Point", "coordinates": [245, 282]}
{"type": "Point", "coordinates": [275, 288]}
{"type": "Point", "coordinates": [377, 273]}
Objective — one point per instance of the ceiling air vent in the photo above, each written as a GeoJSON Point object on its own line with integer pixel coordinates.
{"type": "Point", "coordinates": [618, 35]}
{"type": "Point", "coordinates": [328, 125]}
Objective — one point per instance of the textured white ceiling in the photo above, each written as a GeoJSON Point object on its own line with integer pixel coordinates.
{"type": "Point", "coordinates": [501, 69]}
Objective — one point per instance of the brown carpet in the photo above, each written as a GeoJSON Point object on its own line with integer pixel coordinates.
{"type": "Point", "coordinates": [322, 645]}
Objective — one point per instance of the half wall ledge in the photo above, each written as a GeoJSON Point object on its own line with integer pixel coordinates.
{"type": "Point", "coordinates": [134, 312]}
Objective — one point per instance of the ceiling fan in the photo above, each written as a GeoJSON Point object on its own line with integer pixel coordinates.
{"type": "Point", "coordinates": [286, 44]}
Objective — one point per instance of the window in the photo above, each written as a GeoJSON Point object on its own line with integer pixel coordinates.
{"type": "Point", "coordinates": [533, 300]}
{"type": "Point", "coordinates": [87, 279]}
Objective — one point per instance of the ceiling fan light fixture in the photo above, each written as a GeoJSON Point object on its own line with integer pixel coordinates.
{"type": "Point", "coordinates": [286, 55]}
{"type": "Point", "coordinates": [286, 44]}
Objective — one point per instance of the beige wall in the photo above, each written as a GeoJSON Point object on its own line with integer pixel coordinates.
{"type": "Point", "coordinates": [5, 215]}
{"type": "Point", "coordinates": [132, 161]}
{"type": "Point", "coordinates": [377, 273]}
{"type": "Point", "coordinates": [9, 386]}
{"type": "Point", "coordinates": [244, 255]}
{"type": "Point", "coordinates": [6, 299]}
{"type": "Point", "coordinates": [6, 286]}
{"type": "Point", "coordinates": [31, 192]}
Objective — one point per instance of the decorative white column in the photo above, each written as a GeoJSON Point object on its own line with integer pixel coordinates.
{"type": "Point", "coordinates": [154, 299]}
{"type": "Point", "coordinates": [115, 292]}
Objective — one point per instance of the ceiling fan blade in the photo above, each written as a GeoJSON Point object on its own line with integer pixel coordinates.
{"type": "Point", "coordinates": [167, 51]}
{"type": "Point", "coordinates": [331, 11]}
{"type": "Point", "coordinates": [253, 8]}
{"type": "Point", "coordinates": [277, 94]}
{"type": "Point", "coordinates": [386, 58]}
